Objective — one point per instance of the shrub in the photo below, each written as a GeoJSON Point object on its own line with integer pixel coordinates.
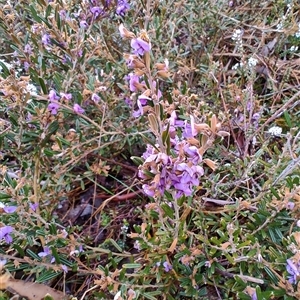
{"type": "Point", "coordinates": [149, 149]}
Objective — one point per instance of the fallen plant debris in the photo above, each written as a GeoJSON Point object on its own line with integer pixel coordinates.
{"type": "Point", "coordinates": [149, 149]}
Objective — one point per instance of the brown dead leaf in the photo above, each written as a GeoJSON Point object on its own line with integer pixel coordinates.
{"type": "Point", "coordinates": [225, 245]}
{"type": "Point", "coordinates": [29, 290]}
{"type": "Point", "coordinates": [4, 278]}
{"type": "Point", "coordinates": [173, 245]}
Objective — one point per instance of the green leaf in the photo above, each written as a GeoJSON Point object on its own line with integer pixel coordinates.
{"type": "Point", "coordinates": [19, 249]}
{"type": "Point", "coordinates": [47, 275]}
{"type": "Point", "coordinates": [52, 229]}
{"type": "Point", "coordinates": [32, 254]}
{"type": "Point", "coordinates": [55, 254]}
{"type": "Point", "coordinates": [274, 192]}
{"type": "Point", "coordinates": [4, 196]}
{"type": "Point", "coordinates": [131, 266]}
{"type": "Point", "coordinates": [34, 14]}
{"type": "Point", "coordinates": [48, 11]}
{"type": "Point", "coordinates": [137, 160]}
{"type": "Point", "coordinates": [150, 295]}
{"type": "Point", "coordinates": [5, 71]}
{"type": "Point", "coordinates": [271, 275]}
{"type": "Point", "coordinates": [66, 262]}
{"type": "Point", "coordinates": [168, 210]}
{"type": "Point", "coordinates": [13, 119]}
{"type": "Point", "coordinates": [49, 152]}
{"type": "Point", "coordinates": [287, 118]}
{"type": "Point", "coordinates": [43, 86]}
{"type": "Point", "coordinates": [116, 245]}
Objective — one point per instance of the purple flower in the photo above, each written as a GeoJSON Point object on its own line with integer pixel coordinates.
{"type": "Point", "coordinates": [66, 96]}
{"type": "Point", "coordinates": [255, 119]}
{"type": "Point", "coordinates": [46, 39]}
{"type": "Point", "coordinates": [122, 7]}
{"type": "Point", "coordinates": [53, 108]}
{"type": "Point", "coordinates": [64, 268]}
{"type": "Point", "coordinates": [78, 109]}
{"type": "Point", "coordinates": [254, 296]}
{"type": "Point", "coordinates": [2, 263]}
{"type": "Point", "coordinates": [128, 101]}
{"type": "Point", "coordinates": [140, 46]}
{"type": "Point", "coordinates": [290, 205]}
{"type": "Point", "coordinates": [167, 266]}
{"type": "Point", "coordinates": [249, 105]}
{"type": "Point", "coordinates": [52, 96]}
{"type": "Point", "coordinates": [192, 154]}
{"type": "Point", "coordinates": [26, 65]}
{"type": "Point", "coordinates": [294, 271]}
{"type": "Point", "coordinates": [130, 61]}
{"type": "Point", "coordinates": [83, 24]}
{"type": "Point", "coordinates": [46, 253]}
{"type": "Point", "coordinates": [79, 53]}
{"type": "Point", "coordinates": [95, 98]}
{"type": "Point", "coordinates": [63, 15]}
{"type": "Point", "coordinates": [174, 124]}
{"type": "Point", "coordinates": [8, 209]}
{"type": "Point", "coordinates": [179, 174]}
{"type": "Point", "coordinates": [27, 49]}
{"type": "Point", "coordinates": [141, 101]}
{"type": "Point", "coordinates": [149, 190]}
{"type": "Point", "coordinates": [189, 128]}
{"type": "Point", "coordinates": [133, 80]}
{"type": "Point", "coordinates": [96, 11]}
{"type": "Point", "coordinates": [33, 206]}
{"type": "Point", "coordinates": [5, 234]}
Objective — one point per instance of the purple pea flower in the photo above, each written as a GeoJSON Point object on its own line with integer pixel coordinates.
{"type": "Point", "coordinates": [78, 109]}
{"type": "Point", "coordinates": [141, 101]}
{"type": "Point", "coordinates": [46, 253]}
{"type": "Point", "coordinates": [167, 266]}
{"type": "Point", "coordinates": [128, 101]}
{"type": "Point", "coordinates": [255, 119]}
{"type": "Point", "coordinates": [290, 205]}
{"type": "Point", "coordinates": [53, 108]}
{"type": "Point", "coordinates": [46, 39]}
{"type": "Point", "coordinates": [5, 234]}
{"type": "Point", "coordinates": [64, 15]}
{"type": "Point", "coordinates": [28, 49]}
{"type": "Point", "coordinates": [122, 7]}
{"type": "Point", "coordinates": [66, 96]}
{"type": "Point", "coordinates": [133, 79]}
{"type": "Point", "coordinates": [2, 263]}
{"type": "Point", "coordinates": [64, 268]}
{"type": "Point", "coordinates": [26, 65]}
{"type": "Point", "coordinates": [8, 209]}
{"type": "Point", "coordinates": [96, 11]}
{"type": "Point", "coordinates": [33, 206]}
{"type": "Point", "coordinates": [52, 96]}
{"type": "Point", "coordinates": [83, 24]}
{"type": "Point", "coordinates": [192, 154]}
{"type": "Point", "coordinates": [149, 190]}
{"type": "Point", "coordinates": [294, 271]}
{"type": "Point", "coordinates": [254, 296]}
{"type": "Point", "coordinates": [140, 46]}
{"type": "Point", "coordinates": [95, 98]}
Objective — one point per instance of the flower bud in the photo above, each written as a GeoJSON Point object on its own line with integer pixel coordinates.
{"type": "Point", "coordinates": [125, 33]}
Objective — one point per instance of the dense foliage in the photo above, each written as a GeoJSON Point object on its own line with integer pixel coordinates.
{"type": "Point", "coordinates": [150, 149]}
